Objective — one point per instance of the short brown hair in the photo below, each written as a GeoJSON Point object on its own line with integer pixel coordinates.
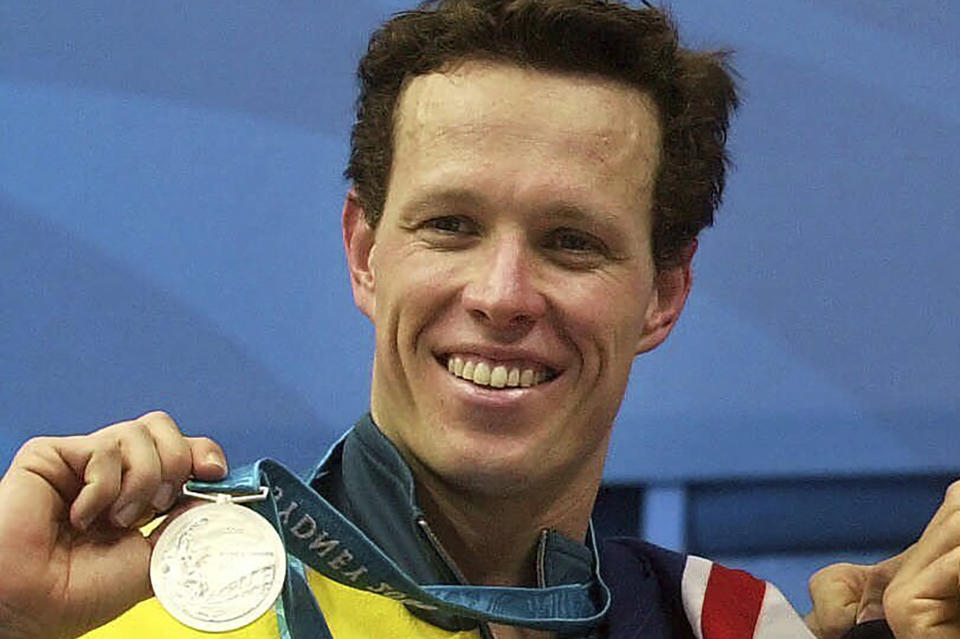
{"type": "Point", "coordinates": [694, 91]}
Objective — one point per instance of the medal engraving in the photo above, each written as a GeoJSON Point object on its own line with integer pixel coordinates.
{"type": "Point", "coordinates": [218, 567]}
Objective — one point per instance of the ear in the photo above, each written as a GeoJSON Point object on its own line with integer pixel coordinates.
{"type": "Point", "coordinates": [358, 241]}
{"type": "Point", "coordinates": [671, 288]}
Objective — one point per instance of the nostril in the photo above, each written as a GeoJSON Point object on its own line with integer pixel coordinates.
{"type": "Point", "coordinates": [513, 302]}
{"type": "Point", "coordinates": [515, 319]}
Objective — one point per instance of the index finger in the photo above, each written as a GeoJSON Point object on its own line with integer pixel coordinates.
{"type": "Point", "coordinates": [940, 536]}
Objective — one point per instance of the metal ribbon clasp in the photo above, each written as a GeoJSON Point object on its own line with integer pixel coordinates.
{"type": "Point", "coordinates": [227, 498]}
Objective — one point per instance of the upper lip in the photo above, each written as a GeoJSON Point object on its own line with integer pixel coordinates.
{"type": "Point", "coordinates": [502, 354]}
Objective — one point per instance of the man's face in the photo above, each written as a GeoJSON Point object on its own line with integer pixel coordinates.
{"type": "Point", "coordinates": [510, 279]}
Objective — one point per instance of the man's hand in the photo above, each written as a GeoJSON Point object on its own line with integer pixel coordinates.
{"type": "Point", "coordinates": [71, 556]}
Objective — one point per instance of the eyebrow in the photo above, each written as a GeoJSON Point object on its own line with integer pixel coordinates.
{"type": "Point", "coordinates": [572, 213]}
{"type": "Point", "coordinates": [450, 197]}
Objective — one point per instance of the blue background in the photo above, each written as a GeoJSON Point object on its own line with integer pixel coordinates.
{"type": "Point", "coordinates": [169, 238]}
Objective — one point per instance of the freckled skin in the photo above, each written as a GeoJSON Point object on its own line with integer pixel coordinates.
{"type": "Point", "coordinates": [542, 184]}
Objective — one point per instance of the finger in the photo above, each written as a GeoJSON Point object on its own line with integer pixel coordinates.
{"type": "Point", "coordinates": [209, 461]}
{"type": "Point", "coordinates": [39, 488]}
{"type": "Point", "coordinates": [814, 625]}
{"type": "Point", "coordinates": [940, 537]}
{"type": "Point", "coordinates": [60, 462]}
{"type": "Point", "coordinates": [835, 592]}
{"type": "Point", "coordinates": [949, 504]}
{"type": "Point", "coordinates": [878, 578]}
{"type": "Point", "coordinates": [141, 472]}
{"type": "Point", "coordinates": [925, 604]}
{"type": "Point", "coordinates": [101, 485]}
{"type": "Point", "coordinates": [176, 460]}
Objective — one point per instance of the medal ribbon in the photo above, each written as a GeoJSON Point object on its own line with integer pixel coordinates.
{"type": "Point", "coordinates": [315, 533]}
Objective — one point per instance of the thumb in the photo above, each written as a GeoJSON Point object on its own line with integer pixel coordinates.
{"type": "Point", "coordinates": [878, 577]}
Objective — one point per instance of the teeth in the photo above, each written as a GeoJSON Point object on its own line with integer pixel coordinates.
{"type": "Point", "coordinates": [481, 374]}
{"type": "Point", "coordinates": [499, 376]}
{"type": "Point", "coordinates": [526, 378]}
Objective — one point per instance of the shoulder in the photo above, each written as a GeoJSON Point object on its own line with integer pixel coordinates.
{"type": "Point", "coordinates": [700, 599]}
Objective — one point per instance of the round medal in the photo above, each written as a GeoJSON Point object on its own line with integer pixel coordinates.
{"type": "Point", "coordinates": [218, 567]}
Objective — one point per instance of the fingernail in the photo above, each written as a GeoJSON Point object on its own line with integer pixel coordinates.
{"type": "Point", "coordinates": [127, 515]}
{"type": "Point", "coordinates": [870, 612]}
{"type": "Point", "coordinates": [213, 458]}
{"type": "Point", "coordinates": [164, 497]}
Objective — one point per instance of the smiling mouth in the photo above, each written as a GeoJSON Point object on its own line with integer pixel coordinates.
{"type": "Point", "coordinates": [491, 374]}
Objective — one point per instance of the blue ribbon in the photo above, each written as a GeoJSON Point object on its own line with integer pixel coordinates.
{"type": "Point", "coordinates": [315, 533]}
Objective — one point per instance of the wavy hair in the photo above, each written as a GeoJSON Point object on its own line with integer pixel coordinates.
{"type": "Point", "coordinates": [694, 91]}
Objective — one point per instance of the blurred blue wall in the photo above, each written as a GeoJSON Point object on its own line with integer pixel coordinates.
{"type": "Point", "coordinates": [169, 238]}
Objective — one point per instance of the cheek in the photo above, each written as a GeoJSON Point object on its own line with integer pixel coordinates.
{"type": "Point", "coordinates": [414, 290]}
{"type": "Point", "coordinates": [606, 307]}
{"type": "Point", "coordinates": [605, 323]}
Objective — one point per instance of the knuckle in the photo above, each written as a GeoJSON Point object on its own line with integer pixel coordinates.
{"type": "Point", "coordinates": [135, 430]}
{"type": "Point", "coordinates": [826, 575]}
{"type": "Point", "coordinates": [139, 425]}
{"type": "Point", "coordinates": [178, 465]}
{"type": "Point", "coordinates": [114, 432]}
{"type": "Point", "coordinates": [107, 448]}
{"type": "Point", "coordinates": [157, 417]}
{"type": "Point", "coordinates": [952, 494]}
{"type": "Point", "coordinates": [816, 582]}
{"type": "Point", "coordinates": [952, 519]}
{"type": "Point", "coordinates": [896, 600]}
{"type": "Point", "coordinates": [35, 453]}
{"type": "Point", "coordinates": [113, 428]}
{"type": "Point", "coordinates": [34, 445]}
{"type": "Point", "coordinates": [141, 480]}
{"type": "Point", "coordinates": [205, 443]}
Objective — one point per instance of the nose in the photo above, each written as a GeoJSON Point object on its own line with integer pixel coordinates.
{"type": "Point", "coordinates": [503, 292]}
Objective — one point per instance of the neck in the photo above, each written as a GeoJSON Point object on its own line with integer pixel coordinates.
{"type": "Point", "coordinates": [493, 539]}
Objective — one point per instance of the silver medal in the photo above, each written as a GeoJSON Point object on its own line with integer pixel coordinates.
{"type": "Point", "coordinates": [219, 566]}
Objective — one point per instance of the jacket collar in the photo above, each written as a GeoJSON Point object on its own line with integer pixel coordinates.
{"type": "Point", "coordinates": [366, 478]}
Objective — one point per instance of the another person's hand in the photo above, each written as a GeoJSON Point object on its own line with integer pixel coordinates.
{"type": "Point", "coordinates": [847, 594]}
{"type": "Point", "coordinates": [918, 591]}
{"type": "Point", "coordinates": [71, 554]}
{"type": "Point", "coordinates": [923, 598]}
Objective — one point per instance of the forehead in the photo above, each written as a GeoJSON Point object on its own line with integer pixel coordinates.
{"type": "Point", "coordinates": [591, 129]}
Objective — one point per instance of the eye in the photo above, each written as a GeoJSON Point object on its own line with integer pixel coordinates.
{"type": "Point", "coordinates": [453, 224]}
{"type": "Point", "coordinates": [575, 241]}
{"type": "Point", "coordinates": [448, 232]}
{"type": "Point", "coordinates": [575, 249]}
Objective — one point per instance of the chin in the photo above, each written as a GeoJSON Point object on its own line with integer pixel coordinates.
{"type": "Point", "coordinates": [497, 470]}
{"type": "Point", "coordinates": [489, 480]}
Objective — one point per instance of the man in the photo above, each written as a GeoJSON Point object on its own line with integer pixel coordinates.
{"type": "Point", "coordinates": [529, 178]}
